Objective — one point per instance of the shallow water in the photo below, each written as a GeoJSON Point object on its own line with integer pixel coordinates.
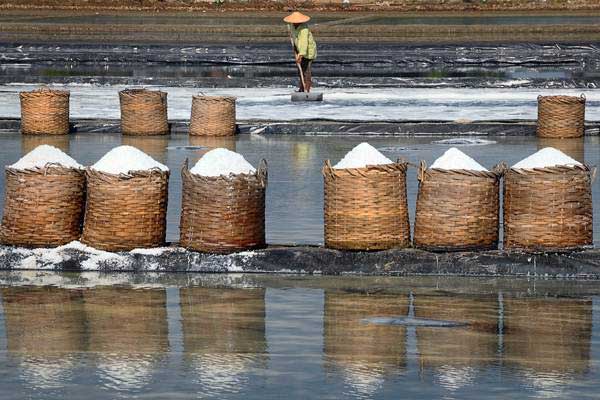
{"type": "Point", "coordinates": [263, 337]}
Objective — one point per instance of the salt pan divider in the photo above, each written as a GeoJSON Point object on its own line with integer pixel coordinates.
{"type": "Point", "coordinates": [213, 116]}
{"type": "Point", "coordinates": [125, 211]}
{"type": "Point", "coordinates": [457, 209]}
{"type": "Point", "coordinates": [43, 206]}
{"type": "Point", "coordinates": [366, 208]}
{"type": "Point", "coordinates": [45, 111]}
{"type": "Point", "coordinates": [561, 116]}
{"type": "Point", "coordinates": [548, 208]}
{"type": "Point", "coordinates": [223, 214]}
{"type": "Point", "coordinates": [143, 112]}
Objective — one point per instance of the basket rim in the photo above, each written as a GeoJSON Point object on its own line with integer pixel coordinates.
{"type": "Point", "coordinates": [399, 165]}
{"type": "Point", "coordinates": [45, 92]}
{"type": "Point", "coordinates": [260, 173]}
{"type": "Point", "coordinates": [552, 170]}
{"type": "Point", "coordinates": [213, 98]}
{"type": "Point", "coordinates": [131, 174]}
{"type": "Point", "coordinates": [136, 91]}
{"type": "Point", "coordinates": [49, 167]}
{"type": "Point", "coordinates": [562, 98]}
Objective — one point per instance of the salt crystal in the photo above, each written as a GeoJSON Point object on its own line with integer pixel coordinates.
{"type": "Point", "coordinates": [125, 159]}
{"type": "Point", "coordinates": [453, 158]}
{"type": "Point", "coordinates": [221, 161]}
{"type": "Point", "coordinates": [546, 157]}
{"type": "Point", "coordinates": [43, 155]}
{"type": "Point", "coordinates": [362, 155]}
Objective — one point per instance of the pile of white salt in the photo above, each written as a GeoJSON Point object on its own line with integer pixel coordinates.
{"type": "Point", "coordinates": [546, 157]}
{"type": "Point", "coordinates": [362, 155]}
{"type": "Point", "coordinates": [453, 158]}
{"type": "Point", "coordinates": [44, 155]}
{"type": "Point", "coordinates": [221, 161]}
{"type": "Point", "coordinates": [125, 159]}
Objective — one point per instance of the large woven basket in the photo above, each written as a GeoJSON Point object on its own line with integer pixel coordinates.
{"type": "Point", "coordinates": [457, 209]}
{"type": "Point", "coordinates": [213, 116]}
{"type": "Point", "coordinates": [43, 206]}
{"type": "Point", "coordinates": [561, 116]}
{"type": "Point", "coordinates": [45, 111]}
{"type": "Point", "coordinates": [143, 112]}
{"type": "Point", "coordinates": [223, 214]}
{"type": "Point", "coordinates": [124, 212]}
{"type": "Point", "coordinates": [366, 208]}
{"type": "Point", "coordinates": [548, 208]}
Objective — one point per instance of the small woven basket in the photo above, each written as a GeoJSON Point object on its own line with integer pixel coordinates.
{"type": "Point", "coordinates": [457, 209]}
{"type": "Point", "coordinates": [213, 116]}
{"type": "Point", "coordinates": [366, 208]}
{"type": "Point", "coordinates": [143, 112]}
{"type": "Point", "coordinates": [223, 214]}
{"type": "Point", "coordinates": [125, 211]}
{"type": "Point", "coordinates": [548, 208]}
{"type": "Point", "coordinates": [43, 206]}
{"type": "Point", "coordinates": [45, 111]}
{"type": "Point", "coordinates": [561, 116]}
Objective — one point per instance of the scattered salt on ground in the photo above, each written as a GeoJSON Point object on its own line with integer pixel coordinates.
{"type": "Point", "coordinates": [124, 159]}
{"type": "Point", "coordinates": [362, 155]}
{"type": "Point", "coordinates": [453, 158]}
{"type": "Point", "coordinates": [222, 162]}
{"type": "Point", "coordinates": [43, 155]}
{"type": "Point", "coordinates": [546, 157]}
{"type": "Point", "coordinates": [153, 251]}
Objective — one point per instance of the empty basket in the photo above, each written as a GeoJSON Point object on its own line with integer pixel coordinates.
{"type": "Point", "coordinates": [213, 116]}
{"type": "Point", "coordinates": [45, 111]}
{"type": "Point", "coordinates": [561, 116]}
{"type": "Point", "coordinates": [124, 212]}
{"type": "Point", "coordinates": [143, 112]}
{"type": "Point", "coordinates": [366, 208]}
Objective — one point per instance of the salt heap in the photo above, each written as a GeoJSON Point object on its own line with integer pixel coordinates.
{"type": "Point", "coordinates": [123, 159]}
{"type": "Point", "coordinates": [43, 155]}
{"type": "Point", "coordinates": [362, 155]}
{"type": "Point", "coordinates": [546, 157]}
{"type": "Point", "coordinates": [453, 158]}
{"type": "Point", "coordinates": [222, 162]}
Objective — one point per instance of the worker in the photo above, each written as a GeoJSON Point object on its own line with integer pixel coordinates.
{"type": "Point", "coordinates": [305, 48]}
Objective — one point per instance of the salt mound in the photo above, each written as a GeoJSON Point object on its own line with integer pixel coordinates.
{"type": "Point", "coordinates": [123, 159]}
{"type": "Point", "coordinates": [362, 155]}
{"type": "Point", "coordinates": [546, 157]}
{"type": "Point", "coordinates": [42, 155]}
{"type": "Point", "coordinates": [453, 158]}
{"type": "Point", "coordinates": [222, 162]}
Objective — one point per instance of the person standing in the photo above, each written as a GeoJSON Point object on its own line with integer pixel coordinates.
{"type": "Point", "coordinates": [305, 48]}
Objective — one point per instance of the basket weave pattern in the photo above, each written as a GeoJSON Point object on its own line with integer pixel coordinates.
{"type": "Point", "coordinates": [45, 111]}
{"type": "Point", "coordinates": [43, 206]}
{"type": "Point", "coordinates": [548, 208]}
{"type": "Point", "coordinates": [561, 116]}
{"type": "Point", "coordinates": [223, 214]}
{"type": "Point", "coordinates": [143, 112]}
{"type": "Point", "coordinates": [213, 116]}
{"type": "Point", "coordinates": [457, 210]}
{"type": "Point", "coordinates": [124, 212]}
{"type": "Point", "coordinates": [366, 208]}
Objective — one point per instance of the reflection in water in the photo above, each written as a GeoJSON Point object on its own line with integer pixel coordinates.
{"type": "Point", "coordinates": [573, 147]}
{"type": "Point", "coordinates": [209, 143]}
{"type": "Point", "coordinates": [155, 146]}
{"type": "Point", "coordinates": [223, 336]}
{"type": "Point", "coordinates": [30, 142]}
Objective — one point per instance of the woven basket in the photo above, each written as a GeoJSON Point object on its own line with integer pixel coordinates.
{"type": "Point", "coordinates": [457, 209]}
{"type": "Point", "coordinates": [548, 208]}
{"type": "Point", "coordinates": [43, 206]}
{"type": "Point", "coordinates": [223, 214]}
{"type": "Point", "coordinates": [30, 142]}
{"type": "Point", "coordinates": [124, 212]}
{"type": "Point", "coordinates": [45, 111]}
{"type": "Point", "coordinates": [213, 116]}
{"type": "Point", "coordinates": [366, 208]}
{"type": "Point", "coordinates": [561, 116]}
{"type": "Point", "coordinates": [143, 112]}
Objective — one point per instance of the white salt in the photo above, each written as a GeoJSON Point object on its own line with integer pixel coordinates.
{"type": "Point", "coordinates": [546, 157]}
{"type": "Point", "coordinates": [221, 161]}
{"type": "Point", "coordinates": [362, 155]}
{"type": "Point", "coordinates": [453, 158]}
{"type": "Point", "coordinates": [43, 155]}
{"type": "Point", "coordinates": [125, 159]}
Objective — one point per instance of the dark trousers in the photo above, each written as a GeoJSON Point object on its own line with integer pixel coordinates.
{"type": "Point", "coordinates": [305, 65]}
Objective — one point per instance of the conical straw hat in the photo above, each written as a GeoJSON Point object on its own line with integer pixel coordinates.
{"type": "Point", "coordinates": [296, 18]}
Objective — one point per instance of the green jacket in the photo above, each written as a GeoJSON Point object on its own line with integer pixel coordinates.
{"type": "Point", "coordinates": [305, 43]}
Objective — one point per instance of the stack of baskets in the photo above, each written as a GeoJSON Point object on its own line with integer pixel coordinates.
{"type": "Point", "coordinates": [366, 208]}
{"type": "Point", "coordinates": [561, 116]}
{"type": "Point", "coordinates": [45, 111]}
{"type": "Point", "coordinates": [213, 116]}
{"type": "Point", "coordinates": [457, 209]}
{"type": "Point", "coordinates": [223, 214]}
{"type": "Point", "coordinates": [143, 112]}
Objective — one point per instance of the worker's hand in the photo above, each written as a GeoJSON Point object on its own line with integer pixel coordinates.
{"type": "Point", "coordinates": [298, 58]}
